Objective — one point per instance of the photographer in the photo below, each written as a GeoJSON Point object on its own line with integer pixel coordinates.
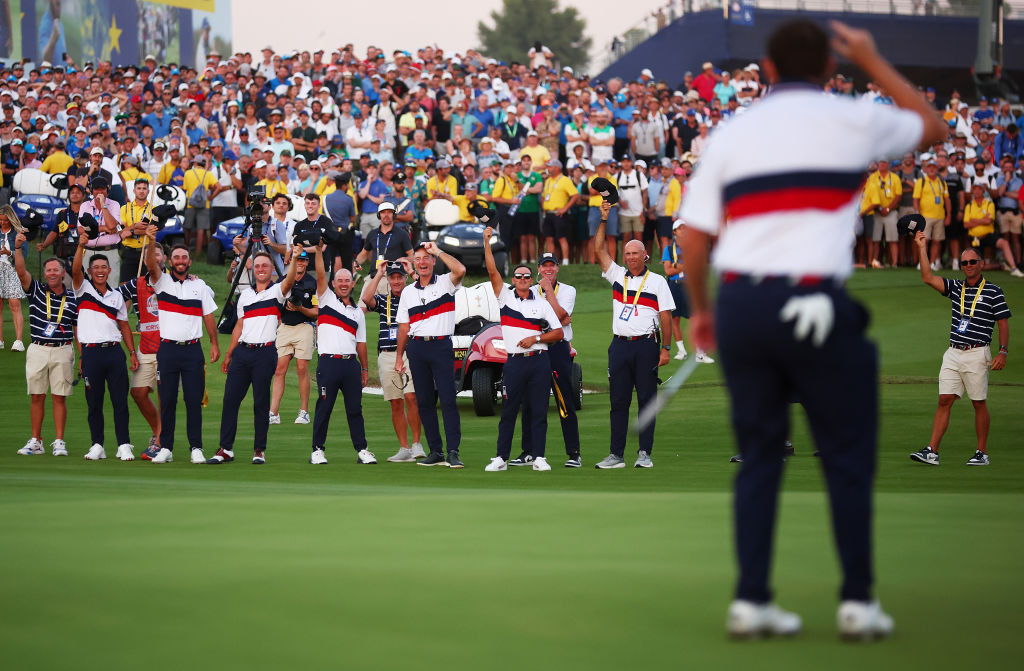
{"type": "Point", "coordinates": [978, 305]}
{"type": "Point", "coordinates": [135, 216]}
{"type": "Point", "coordinates": [108, 214]}
{"type": "Point", "coordinates": [64, 236]}
{"type": "Point", "coordinates": [295, 339]}
{"type": "Point", "coordinates": [277, 231]}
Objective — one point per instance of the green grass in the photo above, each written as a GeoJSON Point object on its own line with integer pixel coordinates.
{"type": "Point", "coordinates": [107, 565]}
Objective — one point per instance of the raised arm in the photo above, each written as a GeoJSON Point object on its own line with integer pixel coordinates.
{"type": "Point", "coordinates": [455, 267]}
{"type": "Point", "coordinates": [77, 275]}
{"type": "Point", "coordinates": [370, 287]}
{"type": "Point", "coordinates": [151, 263]}
{"type": "Point", "coordinates": [492, 270]}
{"type": "Point", "coordinates": [926, 269]}
{"type": "Point", "coordinates": [289, 280]}
{"type": "Point", "coordinates": [19, 262]}
{"type": "Point", "coordinates": [602, 251]}
{"type": "Point", "coordinates": [321, 272]}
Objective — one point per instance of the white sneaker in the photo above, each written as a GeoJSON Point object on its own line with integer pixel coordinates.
{"type": "Point", "coordinates": [860, 621]}
{"type": "Point", "coordinates": [404, 454]}
{"type": "Point", "coordinates": [702, 357]}
{"type": "Point", "coordinates": [303, 418]}
{"type": "Point", "coordinates": [124, 452]}
{"type": "Point", "coordinates": [318, 457]}
{"type": "Point", "coordinates": [1016, 273]}
{"type": "Point", "coordinates": [956, 264]}
{"type": "Point", "coordinates": [497, 464]}
{"type": "Point", "coordinates": [96, 453]}
{"type": "Point", "coordinates": [59, 447]}
{"type": "Point", "coordinates": [275, 419]}
{"type": "Point", "coordinates": [936, 265]}
{"type": "Point", "coordinates": [565, 262]}
{"type": "Point", "coordinates": [643, 460]}
{"type": "Point", "coordinates": [541, 464]}
{"type": "Point", "coordinates": [18, 346]}
{"type": "Point", "coordinates": [680, 355]}
{"type": "Point", "coordinates": [197, 456]}
{"type": "Point", "coordinates": [365, 457]}
{"type": "Point", "coordinates": [164, 456]}
{"type": "Point", "coordinates": [1, 344]}
{"type": "Point", "coordinates": [747, 619]}
{"type": "Point", "coordinates": [418, 452]}
{"type": "Point", "coordinates": [33, 446]}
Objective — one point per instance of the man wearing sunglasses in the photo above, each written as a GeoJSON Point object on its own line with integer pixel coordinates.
{"type": "Point", "coordinates": [978, 305]}
{"type": "Point", "coordinates": [528, 326]}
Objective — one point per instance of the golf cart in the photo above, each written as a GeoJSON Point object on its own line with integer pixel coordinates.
{"type": "Point", "coordinates": [463, 240]}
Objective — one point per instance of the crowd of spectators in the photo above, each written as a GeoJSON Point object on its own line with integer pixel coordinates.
{"type": "Point", "coordinates": [292, 122]}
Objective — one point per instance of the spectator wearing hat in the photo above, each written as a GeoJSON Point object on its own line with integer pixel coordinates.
{"type": "Point", "coordinates": [538, 153]}
{"type": "Point", "coordinates": [224, 204]}
{"type": "Point", "coordinates": [59, 161]}
{"type": "Point", "coordinates": [107, 213]}
{"type": "Point", "coordinates": [602, 170]}
{"type": "Point", "coordinates": [601, 137]}
{"type": "Point", "coordinates": [705, 82]}
{"type": "Point", "coordinates": [931, 200]}
{"type": "Point", "coordinates": [633, 204]}
{"type": "Point", "coordinates": [887, 191]}
{"type": "Point", "coordinates": [558, 196]}
{"type": "Point", "coordinates": [397, 387]}
{"type": "Point", "coordinates": [646, 137]}
{"type": "Point", "coordinates": [622, 118]}
{"type": "Point", "coordinates": [156, 161]}
{"type": "Point", "coordinates": [385, 243]}
{"type": "Point", "coordinates": [31, 157]}
{"type": "Point", "coordinates": [200, 185]}
{"type": "Point", "coordinates": [526, 221]}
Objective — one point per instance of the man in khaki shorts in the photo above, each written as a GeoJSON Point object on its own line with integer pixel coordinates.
{"type": "Point", "coordinates": [931, 199]}
{"type": "Point", "coordinates": [50, 359]}
{"type": "Point", "coordinates": [296, 336]}
{"type": "Point", "coordinates": [397, 387]}
{"type": "Point", "coordinates": [978, 305]}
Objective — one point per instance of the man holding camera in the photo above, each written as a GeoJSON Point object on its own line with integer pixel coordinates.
{"type": "Point", "coordinates": [252, 355]}
{"type": "Point", "coordinates": [107, 213]}
{"type": "Point", "coordinates": [296, 338]}
{"type": "Point", "coordinates": [278, 229]}
{"type": "Point", "coordinates": [978, 305]}
{"type": "Point", "coordinates": [135, 216]}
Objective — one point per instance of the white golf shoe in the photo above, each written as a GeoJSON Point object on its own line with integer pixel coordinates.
{"type": "Point", "coordinates": [318, 458]}
{"type": "Point", "coordinates": [747, 619]}
{"type": "Point", "coordinates": [366, 457]}
{"type": "Point", "coordinates": [59, 448]}
{"type": "Point", "coordinates": [96, 452]}
{"type": "Point", "coordinates": [404, 454]}
{"type": "Point", "coordinates": [124, 452]}
{"type": "Point", "coordinates": [33, 446]}
{"type": "Point", "coordinates": [497, 464]}
{"type": "Point", "coordinates": [541, 464]}
{"type": "Point", "coordinates": [860, 620]}
{"type": "Point", "coordinates": [197, 456]}
{"type": "Point", "coordinates": [164, 456]}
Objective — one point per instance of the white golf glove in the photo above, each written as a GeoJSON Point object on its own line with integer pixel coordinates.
{"type": "Point", "coordinates": [814, 315]}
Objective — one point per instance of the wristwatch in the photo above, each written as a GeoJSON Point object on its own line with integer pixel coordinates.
{"type": "Point", "coordinates": [667, 348]}
{"type": "Point", "coordinates": [537, 337]}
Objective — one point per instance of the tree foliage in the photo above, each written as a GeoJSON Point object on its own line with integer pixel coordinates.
{"type": "Point", "coordinates": [523, 22]}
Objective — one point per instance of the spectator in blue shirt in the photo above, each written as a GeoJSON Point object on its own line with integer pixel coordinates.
{"type": "Point", "coordinates": [159, 120]}
{"type": "Point", "coordinates": [484, 116]}
{"type": "Point", "coordinates": [1010, 141]}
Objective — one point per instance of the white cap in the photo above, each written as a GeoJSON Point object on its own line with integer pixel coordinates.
{"type": "Point", "coordinates": [261, 164]}
{"type": "Point", "coordinates": [641, 163]}
{"type": "Point", "coordinates": [646, 72]}
{"type": "Point", "coordinates": [96, 150]}
{"type": "Point", "coordinates": [385, 206]}
{"type": "Point", "coordinates": [677, 223]}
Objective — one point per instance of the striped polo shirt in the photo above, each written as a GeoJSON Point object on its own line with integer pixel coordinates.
{"type": "Point", "coordinates": [338, 326]}
{"type": "Point", "coordinates": [524, 318]}
{"type": "Point", "coordinates": [42, 313]}
{"type": "Point", "coordinates": [429, 310]}
{"type": "Point", "coordinates": [637, 300]}
{"type": "Point", "coordinates": [386, 307]}
{"type": "Point", "coordinates": [182, 304]}
{"type": "Point", "coordinates": [991, 308]}
{"type": "Point", "coordinates": [260, 314]}
{"type": "Point", "coordinates": [98, 314]}
{"type": "Point", "coordinates": [789, 209]}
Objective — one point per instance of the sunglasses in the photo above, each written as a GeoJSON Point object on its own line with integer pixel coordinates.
{"type": "Point", "coordinates": [522, 276]}
{"type": "Point", "coordinates": [969, 262]}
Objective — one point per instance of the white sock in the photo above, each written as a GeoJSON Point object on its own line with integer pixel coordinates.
{"type": "Point", "coordinates": [679, 344]}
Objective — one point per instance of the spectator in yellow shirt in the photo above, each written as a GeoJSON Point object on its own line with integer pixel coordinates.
{"type": "Point", "coordinates": [889, 190]}
{"type": "Point", "coordinates": [558, 195]}
{"type": "Point", "coordinates": [536, 151]}
{"type": "Point", "coordinates": [198, 218]}
{"type": "Point", "coordinates": [979, 220]}
{"type": "Point", "coordinates": [136, 214]}
{"type": "Point", "coordinates": [931, 200]}
{"type": "Point", "coordinates": [464, 200]}
{"type": "Point", "coordinates": [58, 161]}
{"type": "Point", "coordinates": [442, 184]}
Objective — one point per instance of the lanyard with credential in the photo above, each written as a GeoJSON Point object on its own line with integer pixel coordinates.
{"type": "Point", "coordinates": [974, 303]}
{"type": "Point", "coordinates": [387, 243]}
{"type": "Point", "coordinates": [387, 310]}
{"type": "Point", "coordinates": [64, 299]}
{"type": "Point", "coordinates": [636, 296]}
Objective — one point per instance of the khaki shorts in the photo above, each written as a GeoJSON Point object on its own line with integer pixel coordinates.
{"type": "Point", "coordinates": [886, 223]}
{"type": "Point", "coordinates": [295, 341]}
{"type": "Point", "coordinates": [145, 375]}
{"type": "Point", "coordinates": [628, 224]}
{"type": "Point", "coordinates": [965, 369]}
{"type": "Point", "coordinates": [50, 369]}
{"type": "Point", "coordinates": [1009, 222]}
{"type": "Point", "coordinates": [935, 229]}
{"type": "Point", "coordinates": [395, 386]}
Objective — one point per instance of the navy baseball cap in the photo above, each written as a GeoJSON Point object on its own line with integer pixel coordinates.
{"type": "Point", "coordinates": [547, 257]}
{"type": "Point", "coordinates": [396, 268]}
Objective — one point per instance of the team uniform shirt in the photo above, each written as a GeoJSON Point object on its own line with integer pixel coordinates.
{"type": "Point", "coordinates": [139, 292]}
{"type": "Point", "coordinates": [565, 296]}
{"type": "Point", "coordinates": [386, 306]}
{"type": "Point", "coordinates": [338, 326]}
{"type": "Point", "coordinates": [429, 310]}
{"type": "Point", "coordinates": [98, 314]}
{"type": "Point", "coordinates": [557, 193]}
{"type": "Point", "coordinates": [260, 313]}
{"type": "Point", "coordinates": [131, 214]}
{"type": "Point", "coordinates": [181, 306]}
{"type": "Point", "coordinates": [524, 318]}
{"type": "Point", "coordinates": [51, 317]}
{"type": "Point", "coordinates": [975, 311]}
{"type": "Point", "coordinates": [975, 211]}
{"type": "Point", "coordinates": [786, 211]}
{"type": "Point", "coordinates": [637, 301]}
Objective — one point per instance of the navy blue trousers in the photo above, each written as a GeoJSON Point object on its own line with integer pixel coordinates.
{"type": "Point", "coordinates": [765, 367]}
{"type": "Point", "coordinates": [334, 375]}
{"type": "Point", "coordinates": [632, 365]}
{"type": "Point", "coordinates": [182, 365]}
{"type": "Point", "coordinates": [250, 367]}
{"type": "Point", "coordinates": [526, 382]}
{"type": "Point", "coordinates": [106, 365]}
{"type": "Point", "coordinates": [432, 364]}
{"type": "Point", "coordinates": [560, 357]}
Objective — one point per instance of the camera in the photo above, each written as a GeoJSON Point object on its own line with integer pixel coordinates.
{"type": "Point", "coordinates": [295, 299]}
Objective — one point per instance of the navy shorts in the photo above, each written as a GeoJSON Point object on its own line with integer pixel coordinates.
{"type": "Point", "coordinates": [678, 290]}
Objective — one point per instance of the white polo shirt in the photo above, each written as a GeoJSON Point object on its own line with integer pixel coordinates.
{"type": "Point", "coordinates": [260, 314]}
{"type": "Point", "coordinates": [631, 193]}
{"type": "Point", "coordinates": [524, 318]}
{"type": "Point", "coordinates": [338, 326]}
{"type": "Point", "coordinates": [637, 301]}
{"type": "Point", "coordinates": [789, 207]}
{"type": "Point", "coordinates": [182, 305]}
{"type": "Point", "coordinates": [98, 314]}
{"type": "Point", "coordinates": [565, 296]}
{"type": "Point", "coordinates": [429, 310]}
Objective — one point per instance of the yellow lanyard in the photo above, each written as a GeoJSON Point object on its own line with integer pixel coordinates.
{"type": "Point", "coordinates": [886, 184]}
{"type": "Point", "coordinates": [542, 289]}
{"type": "Point", "coordinates": [64, 299]}
{"type": "Point", "coordinates": [387, 310]}
{"type": "Point", "coordinates": [974, 304]}
{"type": "Point", "coordinates": [636, 296]}
{"type": "Point", "coordinates": [675, 253]}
